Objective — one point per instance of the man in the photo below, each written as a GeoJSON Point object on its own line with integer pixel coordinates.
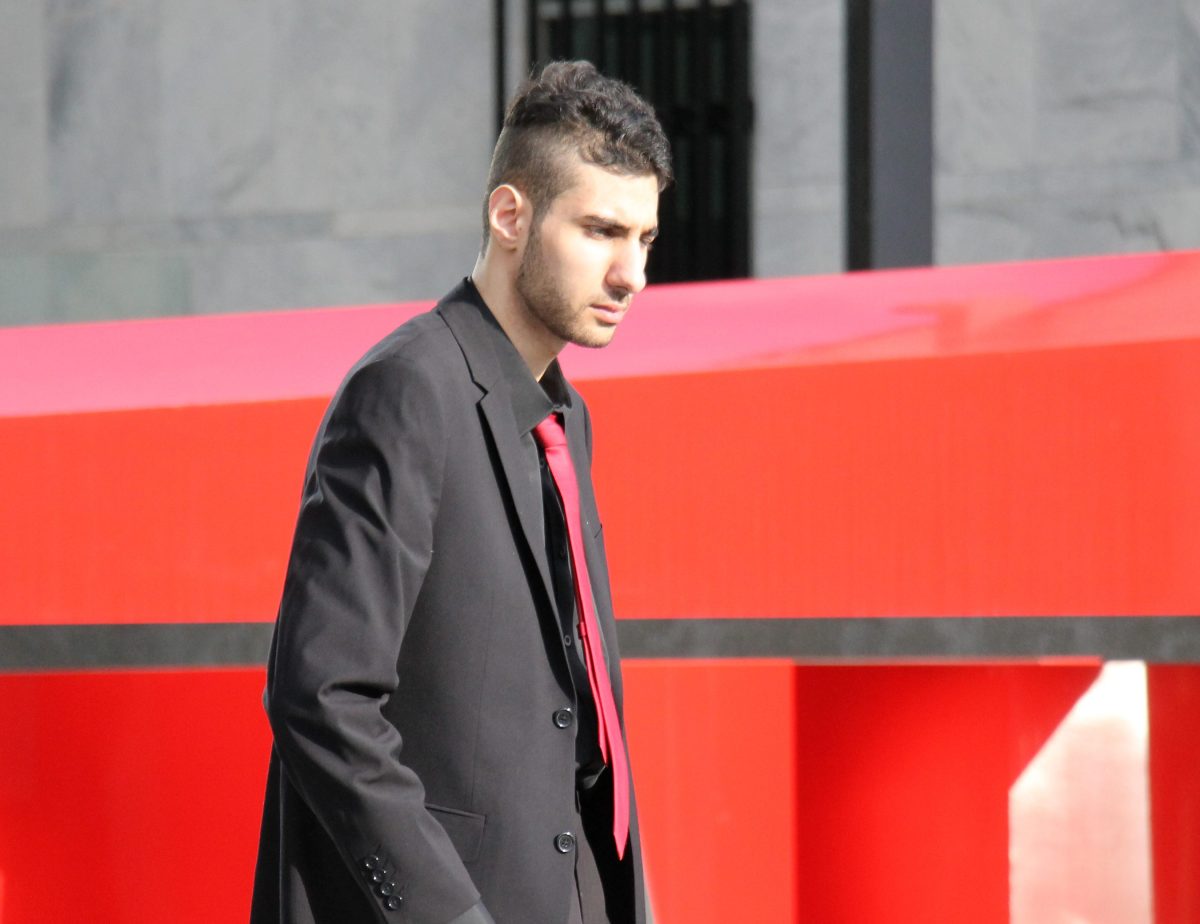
{"type": "Point", "coordinates": [448, 742]}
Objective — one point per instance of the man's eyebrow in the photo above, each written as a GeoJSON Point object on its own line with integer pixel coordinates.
{"type": "Point", "coordinates": [611, 224]}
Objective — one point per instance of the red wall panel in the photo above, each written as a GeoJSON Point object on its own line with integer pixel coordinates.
{"type": "Point", "coordinates": [130, 796]}
{"type": "Point", "coordinates": [768, 791]}
{"type": "Point", "coordinates": [1174, 691]}
{"type": "Point", "coordinates": [712, 744]}
{"type": "Point", "coordinates": [902, 781]}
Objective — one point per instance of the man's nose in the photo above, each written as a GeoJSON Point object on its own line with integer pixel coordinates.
{"type": "Point", "coordinates": [628, 270]}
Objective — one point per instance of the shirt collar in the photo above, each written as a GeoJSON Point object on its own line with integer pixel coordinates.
{"type": "Point", "coordinates": [532, 401]}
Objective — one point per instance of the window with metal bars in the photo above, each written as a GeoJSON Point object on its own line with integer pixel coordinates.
{"type": "Point", "coordinates": [691, 60]}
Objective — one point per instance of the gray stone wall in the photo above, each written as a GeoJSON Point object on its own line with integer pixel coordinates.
{"type": "Point", "coordinates": [1062, 128]}
{"type": "Point", "coordinates": [1066, 127]}
{"type": "Point", "coordinates": [219, 156]}
{"type": "Point", "coordinates": [798, 49]}
{"type": "Point", "coordinates": [199, 156]}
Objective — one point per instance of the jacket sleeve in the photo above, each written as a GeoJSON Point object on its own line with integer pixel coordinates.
{"type": "Point", "coordinates": [363, 542]}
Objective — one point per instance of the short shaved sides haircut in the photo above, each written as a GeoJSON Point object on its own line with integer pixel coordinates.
{"type": "Point", "coordinates": [571, 108]}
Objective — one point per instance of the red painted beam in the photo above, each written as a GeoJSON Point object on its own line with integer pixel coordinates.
{"type": "Point", "coordinates": [1013, 440]}
{"type": "Point", "coordinates": [1034, 483]}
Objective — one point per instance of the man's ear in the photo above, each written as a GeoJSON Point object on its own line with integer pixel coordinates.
{"type": "Point", "coordinates": [509, 214]}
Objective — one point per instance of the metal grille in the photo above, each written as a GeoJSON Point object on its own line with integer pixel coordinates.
{"type": "Point", "coordinates": [691, 60]}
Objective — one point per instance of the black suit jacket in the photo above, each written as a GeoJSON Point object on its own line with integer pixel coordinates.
{"type": "Point", "coordinates": [417, 665]}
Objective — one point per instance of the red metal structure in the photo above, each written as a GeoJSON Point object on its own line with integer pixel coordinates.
{"type": "Point", "coordinates": [958, 455]}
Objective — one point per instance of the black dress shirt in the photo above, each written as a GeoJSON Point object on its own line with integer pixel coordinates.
{"type": "Point", "coordinates": [532, 402]}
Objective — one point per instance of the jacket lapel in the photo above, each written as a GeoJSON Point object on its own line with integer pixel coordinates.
{"type": "Point", "coordinates": [524, 484]}
{"type": "Point", "coordinates": [470, 329]}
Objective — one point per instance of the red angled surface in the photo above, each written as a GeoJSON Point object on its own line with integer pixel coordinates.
{"type": "Point", "coordinates": [178, 362]}
{"type": "Point", "coordinates": [130, 797]}
{"type": "Point", "coordinates": [859, 317]}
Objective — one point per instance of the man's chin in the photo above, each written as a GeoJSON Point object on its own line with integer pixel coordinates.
{"type": "Point", "coordinates": [595, 338]}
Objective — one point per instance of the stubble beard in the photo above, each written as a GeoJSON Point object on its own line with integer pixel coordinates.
{"type": "Point", "coordinates": [546, 302]}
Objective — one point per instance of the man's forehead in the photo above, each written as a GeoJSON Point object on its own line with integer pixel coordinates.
{"type": "Point", "coordinates": [623, 197]}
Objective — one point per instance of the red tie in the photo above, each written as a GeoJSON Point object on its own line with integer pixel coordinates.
{"type": "Point", "coordinates": [612, 748]}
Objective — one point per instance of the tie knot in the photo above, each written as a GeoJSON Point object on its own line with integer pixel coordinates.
{"type": "Point", "coordinates": [550, 433]}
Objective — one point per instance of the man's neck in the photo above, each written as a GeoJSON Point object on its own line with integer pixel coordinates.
{"type": "Point", "coordinates": [497, 286]}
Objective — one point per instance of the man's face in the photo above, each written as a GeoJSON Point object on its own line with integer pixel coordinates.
{"type": "Point", "coordinates": [586, 258]}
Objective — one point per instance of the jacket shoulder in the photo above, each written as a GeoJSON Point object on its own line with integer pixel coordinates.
{"type": "Point", "coordinates": [420, 341]}
{"type": "Point", "coordinates": [406, 376]}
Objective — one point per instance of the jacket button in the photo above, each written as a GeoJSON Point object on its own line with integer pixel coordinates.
{"type": "Point", "coordinates": [373, 862]}
{"type": "Point", "coordinates": [393, 902]}
{"type": "Point", "coordinates": [565, 842]}
{"type": "Point", "coordinates": [563, 717]}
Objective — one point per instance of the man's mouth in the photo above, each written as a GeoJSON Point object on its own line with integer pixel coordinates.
{"type": "Point", "coordinates": [609, 312]}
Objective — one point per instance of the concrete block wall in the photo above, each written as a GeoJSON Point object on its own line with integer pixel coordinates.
{"type": "Point", "coordinates": [213, 156]}
{"type": "Point", "coordinates": [1066, 128]}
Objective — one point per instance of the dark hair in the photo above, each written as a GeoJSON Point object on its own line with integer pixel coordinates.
{"type": "Point", "coordinates": [572, 107]}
